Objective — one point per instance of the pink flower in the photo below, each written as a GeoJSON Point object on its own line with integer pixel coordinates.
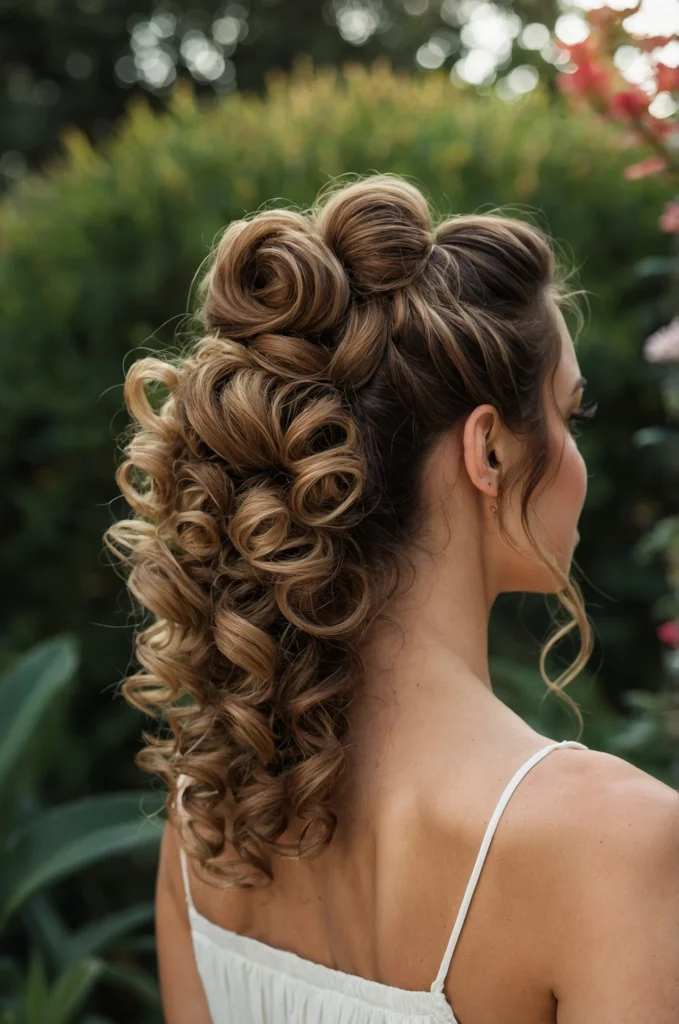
{"type": "Point", "coordinates": [587, 78]}
{"type": "Point", "coordinates": [668, 633]}
{"type": "Point", "coordinates": [667, 78]}
{"type": "Point", "coordinates": [663, 345]}
{"type": "Point", "coordinates": [630, 103]}
{"type": "Point", "coordinates": [607, 17]}
{"type": "Point", "coordinates": [579, 53]}
{"type": "Point", "coordinates": [602, 17]}
{"type": "Point", "coordinates": [652, 165]}
{"type": "Point", "coordinates": [661, 129]}
{"type": "Point", "coordinates": [669, 219]}
{"type": "Point", "coordinates": [627, 137]}
{"type": "Point", "coordinates": [649, 43]}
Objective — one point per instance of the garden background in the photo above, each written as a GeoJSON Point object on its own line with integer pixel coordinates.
{"type": "Point", "coordinates": [130, 138]}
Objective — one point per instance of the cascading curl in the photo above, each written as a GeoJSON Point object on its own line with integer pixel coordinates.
{"type": "Point", "coordinates": [275, 488]}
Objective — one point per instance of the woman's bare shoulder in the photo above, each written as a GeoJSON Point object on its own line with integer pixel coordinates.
{"type": "Point", "coordinates": [585, 807]}
{"type": "Point", "coordinates": [615, 892]}
{"type": "Point", "coordinates": [602, 800]}
{"type": "Point", "coordinates": [590, 866]}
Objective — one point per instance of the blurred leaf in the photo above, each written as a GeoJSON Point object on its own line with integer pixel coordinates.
{"type": "Point", "coordinates": [654, 266]}
{"type": "Point", "coordinates": [100, 935]}
{"type": "Point", "coordinates": [635, 734]}
{"type": "Point", "coordinates": [26, 691]}
{"type": "Point", "coordinates": [657, 538]}
{"type": "Point", "coordinates": [64, 840]}
{"type": "Point", "coordinates": [73, 989]}
{"type": "Point", "coordinates": [139, 944]}
{"type": "Point", "coordinates": [36, 995]}
{"type": "Point", "coordinates": [46, 929]}
{"type": "Point", "coordinates": [139, 982]}
{"type": "Point", "coordinates": [11, 976]}
{"type": "Point", "coordinates": [651, 436]}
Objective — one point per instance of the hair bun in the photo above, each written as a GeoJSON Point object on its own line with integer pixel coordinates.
{"type": "Point", "coordinates": [273, 273]}
{"type": "Point", "coordinates": [380, 230]}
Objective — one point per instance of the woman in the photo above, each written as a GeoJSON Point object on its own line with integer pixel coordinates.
{"type": "Point", "coordinates": [372, 439]}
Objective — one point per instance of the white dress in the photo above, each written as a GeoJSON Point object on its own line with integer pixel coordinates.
{"type": "Point", "coordinates": [249, 982]}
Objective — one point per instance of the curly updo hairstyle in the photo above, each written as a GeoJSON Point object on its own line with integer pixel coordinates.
{"type": "Point", "coordinates": [274, 481]}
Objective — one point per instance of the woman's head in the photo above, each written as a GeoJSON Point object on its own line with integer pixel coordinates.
{"type": "Point", "coordinates": [531, 554]}
{"type": "Point", "coordinates": [283, 480]}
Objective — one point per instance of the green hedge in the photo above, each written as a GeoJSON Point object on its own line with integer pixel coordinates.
{"type": "Point", "coordinates": [96, 261]}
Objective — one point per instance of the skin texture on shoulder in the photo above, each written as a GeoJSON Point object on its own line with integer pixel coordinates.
{"type": "Point", "coordinates": [576, 914]}
{"type": "Point", "coordinates": [616, 914]}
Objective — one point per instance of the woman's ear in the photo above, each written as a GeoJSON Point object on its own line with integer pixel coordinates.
{"type": "Point", "coordinates": [483, 443]}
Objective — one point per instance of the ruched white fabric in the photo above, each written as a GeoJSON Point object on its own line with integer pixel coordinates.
{"type": "Point", "coordinates": [249, 982]}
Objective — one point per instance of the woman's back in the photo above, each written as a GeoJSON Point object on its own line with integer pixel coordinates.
{"type": "Point", "coordinates": [366, 932]}
{"type": "Point", "coordinates": [374, 907]}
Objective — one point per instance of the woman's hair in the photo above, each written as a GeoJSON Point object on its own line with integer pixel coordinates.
{"type": "Point", "coordinates": [276, 485]}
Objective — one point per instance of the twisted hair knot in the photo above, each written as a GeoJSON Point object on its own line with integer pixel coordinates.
{"type": "Point", "coordinates": [270, 274]}
{"type": "Point", "coordinates": [383, 243]}
{"type": "Point", "coordinates": [315, 289]}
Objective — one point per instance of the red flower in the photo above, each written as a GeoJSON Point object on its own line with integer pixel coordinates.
{"type": "Point", "coordinates": [579, 53]}
{"type": "Point", "coordinates": [588, 78]}
{"type": "Point", "coordinates": [652, 42]}
{"type": "Point", "coordinates": [667, 78]}
{"type": "Point", "coordinates": [631, 103]}
{"type": "Point", "coordinates": [628, 138]}
{"type": "Point", "coordinates": [661, 127]}
{"type": "Point", "coordinates": [651, 165]}
{"type": "Point", "coordinates": [663, 345]}
{"type": "Point", "coordinates": [602, 17]}
{"type": "Point", "coordinates": [669, 219]}
{"type": "Point", "coordinates": [668, 633]}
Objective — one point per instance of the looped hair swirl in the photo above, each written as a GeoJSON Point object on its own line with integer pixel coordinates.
{"type": "Point", "coordinates": [275, 486]}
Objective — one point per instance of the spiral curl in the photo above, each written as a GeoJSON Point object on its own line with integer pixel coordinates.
{"type": "Point", "coordinates": [275, 488]}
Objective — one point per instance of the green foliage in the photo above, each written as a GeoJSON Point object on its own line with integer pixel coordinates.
{"type": "Point", "coordinates": [60, 1003]}
{"type": "Point", "coordinates": [41, 847]}
{"type": "Point", "coordinates": [641, 734]}
{"type": "Point", "coordinates": [65, 839]}
{"type": "Point", "coordinates": [26, 693]}
{"type": "Point", "coordinates": [72, 61]}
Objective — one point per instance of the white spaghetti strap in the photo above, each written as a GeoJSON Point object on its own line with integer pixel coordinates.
{"type": "Point", "coordinates": [185, 876]}
{"type": "Point", "coordinates": [437, 984]}
{"type": "Point", "coordinates": [182, 783]}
